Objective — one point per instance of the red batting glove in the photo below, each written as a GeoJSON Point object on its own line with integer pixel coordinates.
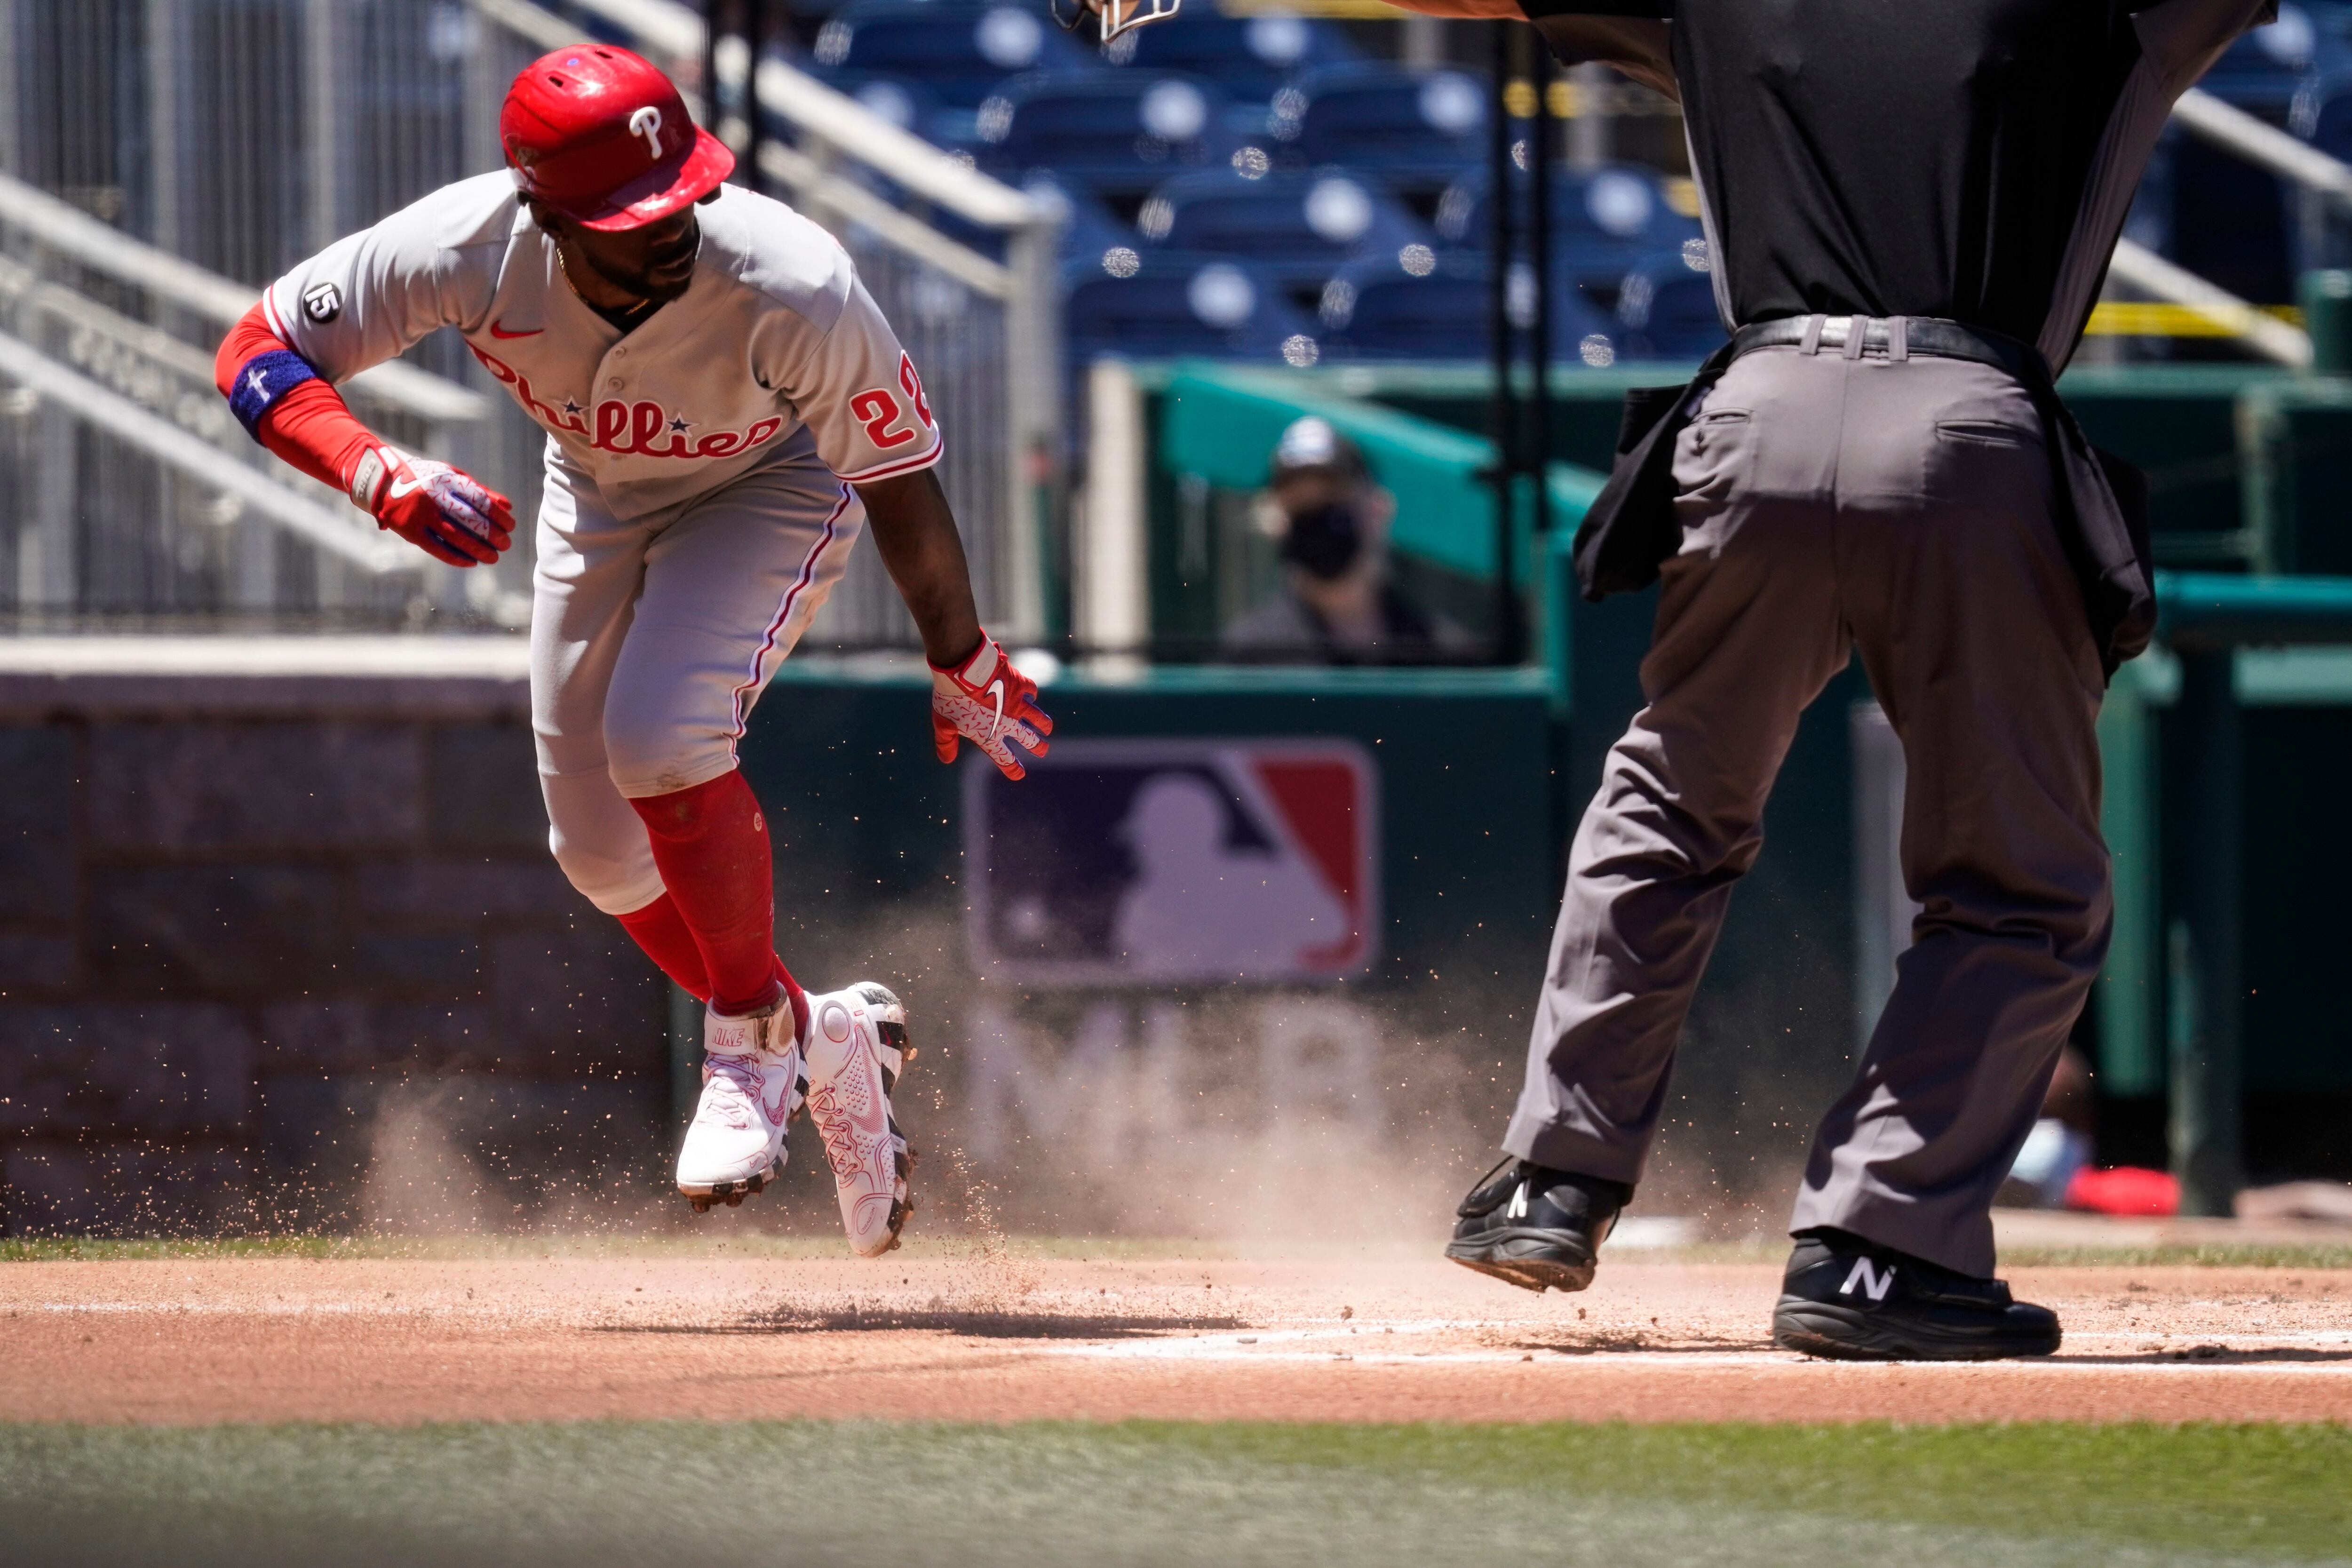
{"type": "Point", "coordinates": [985, 700]}
{"type": "Point", "coordinates": [444, 511]}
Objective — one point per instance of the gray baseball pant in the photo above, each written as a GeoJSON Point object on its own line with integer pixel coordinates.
{"type": "Point", "coordinates": [1902, 509]}
{"type": "Point", "coordinates": [651, 638]}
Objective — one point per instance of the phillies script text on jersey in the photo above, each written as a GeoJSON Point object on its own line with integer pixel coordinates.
{"type": "Point", "coordinates": [643, 428]}
{"type": "Point", "coordinates": [638, 429]}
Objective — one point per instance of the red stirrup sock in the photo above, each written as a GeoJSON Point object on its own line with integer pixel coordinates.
{"type": "Point", "coordinates": [797, 998]}
{"type": "Point", "coordinates": [661, 931]}
{"type": "Point", "coordinates": [711, 846]}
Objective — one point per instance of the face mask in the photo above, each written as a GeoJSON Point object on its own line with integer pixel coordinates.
{"type": "Point", "coordinates": [1324, 541]}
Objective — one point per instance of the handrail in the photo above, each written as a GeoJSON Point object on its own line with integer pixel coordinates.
{"type": "Point", "coordinates": [2142, 268]}
{"type": "Point", "coordinates": [220, 301]}
{"type": "Point", "coordinates": [2258, 142]}
{"type": "Point", "coordinates": [673, 28]}
{"type": "Point", "coordinates": [2204, 610]}
{"type": "Point", "coordinates": [200, 459]}
{"type": "Point", "coordinates": [911, 235]}
{"type": "Point", "coordinates": [914, 164]}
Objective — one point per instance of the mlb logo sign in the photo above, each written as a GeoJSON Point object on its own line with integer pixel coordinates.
{"type": "Point", "coordinates": [1128, 862]}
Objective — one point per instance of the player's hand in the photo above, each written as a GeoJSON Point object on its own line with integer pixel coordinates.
{"type": "Point", "coordinates": [444, 511]}
{"type": "Point", "coordinates": [985, 700]}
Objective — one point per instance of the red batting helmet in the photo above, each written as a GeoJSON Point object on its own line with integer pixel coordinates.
{"type": "Point", "coordinates": [602, 136]}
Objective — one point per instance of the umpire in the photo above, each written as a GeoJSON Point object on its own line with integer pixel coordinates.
{"type": "Point", "coordinates": [1909, 208]}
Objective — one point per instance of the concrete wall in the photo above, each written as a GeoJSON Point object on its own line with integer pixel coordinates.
{"type": "Point", "coordinates": [279, 931]}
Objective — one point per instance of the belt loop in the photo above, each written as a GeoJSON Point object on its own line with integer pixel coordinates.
{"type": "Point", "coordinates": [1898, 338]}
{"type": "Point", "coordinates": [1812, 340]}
{"type": "Point", "coordinates": [1857, 328]}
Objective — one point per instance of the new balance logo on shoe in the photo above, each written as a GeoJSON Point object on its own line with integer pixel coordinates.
{"type": "Point", "coordinates": [1874, 1284]}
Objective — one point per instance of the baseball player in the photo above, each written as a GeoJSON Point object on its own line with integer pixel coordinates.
{"type": "Point", "coordinates": [726, 411]}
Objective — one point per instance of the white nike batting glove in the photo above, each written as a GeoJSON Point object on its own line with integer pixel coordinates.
{"type": "Point", "coordinates": [444, 511]}
{"type": "Point", "coordinates": [984, 700]}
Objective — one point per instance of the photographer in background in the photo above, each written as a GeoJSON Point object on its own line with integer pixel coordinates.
{"type": "Point", "coordinates": [1337, 605]}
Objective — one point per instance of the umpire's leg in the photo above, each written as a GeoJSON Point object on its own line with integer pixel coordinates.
{"type": "Point", "coordinates": [1972, 629]}
{"type": "Point", "coordinates": [1747, 634]}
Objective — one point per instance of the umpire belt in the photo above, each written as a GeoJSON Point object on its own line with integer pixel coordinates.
{"type": "Point", "coordinates": [1631, 527]}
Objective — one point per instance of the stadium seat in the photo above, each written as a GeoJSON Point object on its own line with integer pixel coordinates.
{"type": "Point", "coordinates": [1430, 305]}
{"type": "Point", "coordinates": [1088, 227]}
{"type": "Point", "coordinates": [1118, 133]}
{"type": "Point", "coordinates": [1620, 204]}
{"type": "Point", "coordinates": [1411, 129]}
{"type": "Point", "coordinates": [1155, 304]}
{"type": "Point", "coordinates": [2267, 70]}
{"type": "Point", "coordinates": [1667, 311]}
{"type": "Point", "coordinates": [960, 52]}
{"type": "Point", "coordinates": [1300, 225]}
{"type": "Point", "coordinates": [1250, 57]}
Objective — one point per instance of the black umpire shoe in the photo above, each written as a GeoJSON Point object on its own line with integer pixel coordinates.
{"type": "Point", "coordinates": [1536, 1227]}
{"type": "Point", "coordinates": [1852, 1299]}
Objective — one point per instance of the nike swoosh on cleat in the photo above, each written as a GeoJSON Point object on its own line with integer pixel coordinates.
{"type": "Point", "coordinates": [499, 331]}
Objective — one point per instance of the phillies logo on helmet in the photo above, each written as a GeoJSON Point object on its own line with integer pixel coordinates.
{"type": "Point", "coordinates": [647, 123]}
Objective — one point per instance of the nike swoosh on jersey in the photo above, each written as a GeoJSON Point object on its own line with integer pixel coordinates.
{"type": "Point", "coordinates": [499, 331]}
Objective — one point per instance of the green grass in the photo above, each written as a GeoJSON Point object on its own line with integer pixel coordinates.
{"type": "Point", "coordinates": [1145, 1493]}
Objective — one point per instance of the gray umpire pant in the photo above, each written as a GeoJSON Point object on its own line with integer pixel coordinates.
{"type": "Point", "coordinates": [1834, 501]}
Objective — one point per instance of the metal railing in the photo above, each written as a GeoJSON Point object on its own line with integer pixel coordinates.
{"type": "Point", "coordinates": [131, 489]}
{"type": "Point", "coordinates": [2255, 141]}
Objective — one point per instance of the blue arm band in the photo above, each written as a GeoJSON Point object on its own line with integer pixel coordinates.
{"type": "Point", "coordinates": [261, 380]}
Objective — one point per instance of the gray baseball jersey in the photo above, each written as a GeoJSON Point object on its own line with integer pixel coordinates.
{"type": "Point", "coordinates": [774, 332]}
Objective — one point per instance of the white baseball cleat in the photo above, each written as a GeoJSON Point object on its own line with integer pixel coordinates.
{"type": "Point", "coordinates": [855, 1047]}
{"type": "Point", "coordinates": [750, 1082]}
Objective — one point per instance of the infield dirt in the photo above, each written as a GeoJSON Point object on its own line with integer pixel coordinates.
{"type": "Point", "coordinates": [996, 1335]}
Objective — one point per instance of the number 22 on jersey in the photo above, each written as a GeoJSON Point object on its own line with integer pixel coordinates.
{"type": "Point", "coordinates": [880, 410]}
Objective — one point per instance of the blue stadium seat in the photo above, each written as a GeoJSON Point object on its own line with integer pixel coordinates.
{"type": "Point", "coordinates": [2268, 69]}
{"type": "Point", "coordinates": [1116, 133]}
{"type": "Point", "coordinates": [1410, 128]}
{"type": "Point", "coordinates": [962, 52]}
{"type": "Point", "coordinates": [1088, 227]}
{"type": "Point", "coordinates": [1430, 305]}
{"type": "Point", "coordinates": [1667, 311]}
{"type": "Point", "coordinates": [1299, 224]}
{"type": "Point", "coordinates": [1622, 204]}
{"type": "Point", "coordinates": [1154, 304]}
{"type": "Point", "coordinates": [1249, 57]}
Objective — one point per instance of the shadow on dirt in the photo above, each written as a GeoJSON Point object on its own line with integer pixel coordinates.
{"type": "Point", "coordinates": [968, 1324]}
{"type": "Point", "coordinates": [2220, 1355]}
{"type": "Point", "coordinates": [1612, 1344]}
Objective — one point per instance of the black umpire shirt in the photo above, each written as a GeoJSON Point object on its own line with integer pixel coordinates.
{"type": "Point", "coordinates": [1968, 159]}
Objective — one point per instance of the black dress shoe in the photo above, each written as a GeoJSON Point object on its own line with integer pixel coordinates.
{"type": "Point", "coordinates": [1536, 1227]}
{"type": "Point", "coordinates": [1852, 1299]}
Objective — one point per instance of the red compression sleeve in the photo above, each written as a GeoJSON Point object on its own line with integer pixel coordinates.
{"type": "Point", "coordinates": [710, 844]}
{"type": "Point", "coordinates": [662, 931]}
{"type": "Point", "coordinates": [309, 426]}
